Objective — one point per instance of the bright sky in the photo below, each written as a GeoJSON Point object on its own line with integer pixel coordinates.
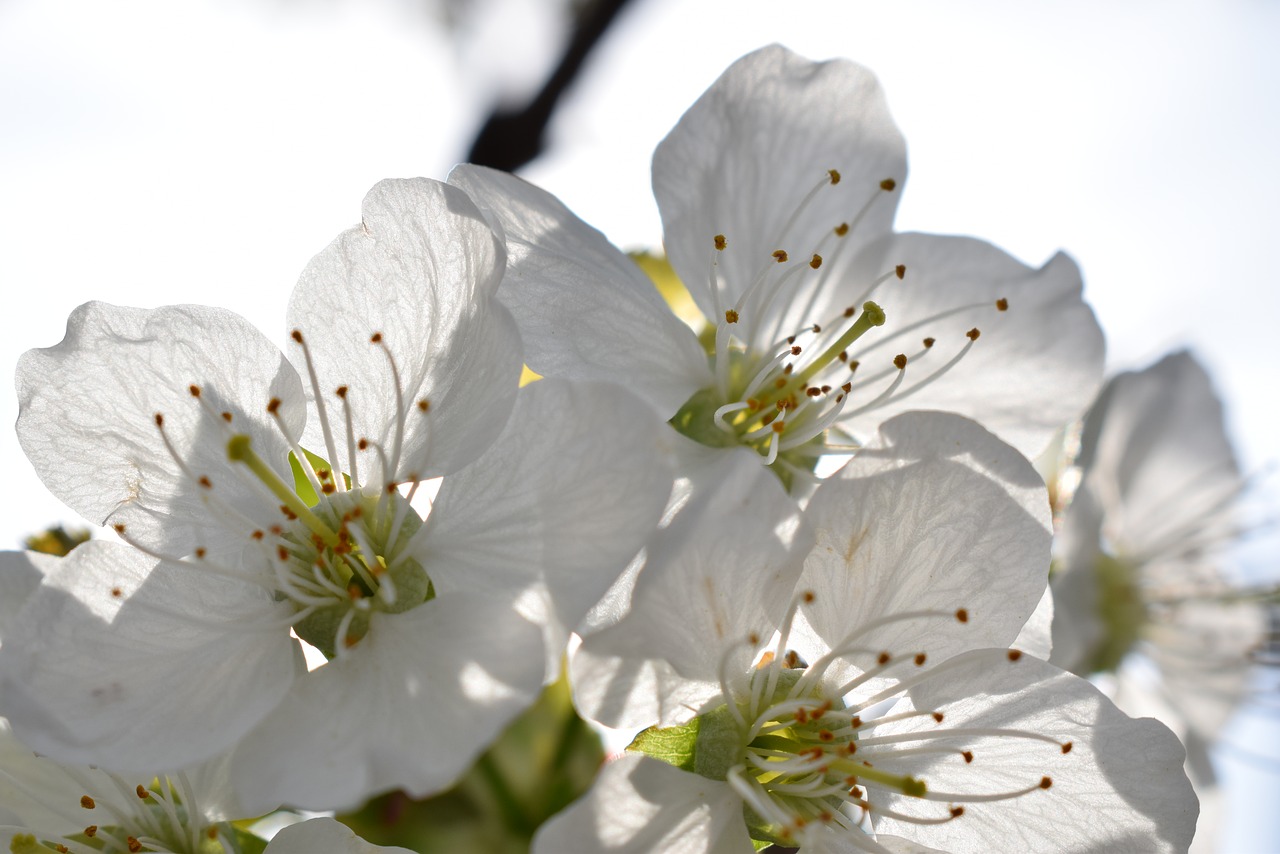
{"type": "Point", "coordinates": [156, 152]}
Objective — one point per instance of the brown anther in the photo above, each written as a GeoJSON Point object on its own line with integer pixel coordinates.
{"type": "Point", "coordinates": [211, 831]}
{"type": "Point", "coordinates": [816, 329]}
{"type": "Point", "coordinates": [296, 335]}
{"type": "Point", "coordinates": [956, 812]}
{"type": "Point", "coordinates": [835, 175]}
{"type": "Point", "coordinates": [720, 242]}
{"type": "Point", "coordinates": [159, 420]}
{"type": "Point", "coordinates": [375, 338]}
{"type": "Point", "coordinates": [968, 756]}
{"type": "Point", "coordinates": [277, 530]}
{"type": "Point", "coordinates": [424, 405]}
{"type": "Point", "coordinates": [273, 405]}
{"type": "Point", "coordinates": [780, 255]}
{"type": "Point", "coordinates": [1002, 304]}
{"type": "Point", "coordinates": [920, 659]}
{"type": "Point", "coordinates": [142, 793]}
{"type": "Point", "coordinates": [928, 342]}
{"type": "Point", "coordinates": [900, 361]}
{"type": "Point", "coordinates": [853, 365]}
{"type": "Point", "coordinates": [937, 717]}
{"type": "Point", "coordinates": [87, 802]}
{"type": "Point", "coordinates": [883, 658]}
{"type": "Point", "coordinates": [328, 488]}
{"type": "Point", "coordinates": [826, 388]}
{"type": "Point", "coordinates": [807, 596]}
{"type": "Point", "coordinates": [842, 229]}
{"type": "Point", "coordinates": [848, 312]}
{"type": "Point", "coordinates": [801, 715]}
{"type": "Point", "coordinates": [900, 271]}
{"type": "Point", "coordinates": [363, 444]}
{"type": "Point", "coordinates": [200, 552]}
{"type": "Point", "coordinates": [61, 849]}
{"type": "Point", "coordinates": [826, 735]}
{"type": "Point", "coordinates": [855, 721]}
{"type": "Point", "coordinates": [288, 514]}
{"type": "Point", "coordinates": [205, 482]}
{"type": "Point", "coordinates": [849, 748]}
{"type": "Point", "coordinates": [753, 404]}
{"type": "Point", "coordinates": [118, 528]}
{"type": "Point", "coordinates": [824, 816]}
{"type": "Point", "coordinates": [116, 592]}
{"type": "Point", "coordinates": [282, 553]}
{"type": "Point", "coordinates": [194, 389]}
{"type": "Point", "coordinates": [257, 535]}
{"type": "Point", "coordinates": [813, 391]}
{"type": "Point", "coordinates": [888, 185]}
{"type": "Point", "coordinates": [791, 339]}
{"type": "Point", "coordinates": [796, 350]}
{"type": "Point", "coordinates": [226, 416]}
{"type": "Point", "coordinates": [134, 845]}
{"type": "Point", "coordinates": [91, 831]}
{"type": "Point", "coordinates": [341, 391]}
{"type": "Point", "coordinates": [391, 487]}
{"type": "Point", "coordinates": [779, 426]}
{"type": "Point", "coordinates": [813, 753]}
{"type": "Point", "coordinates": [789, 368]}
{"type": "Point", "coordinates": [1045, 782]}
{"type": "Point", "coordinates": [972, 334]}
{"type": "Point", "coordinates": [962, 614]}
{"type": "Point", "coordinates": [791, 659]}
{"type": "Point", "coordinates": [815, 262]}
{"type": "Point", "coordinates": [1015, 654]}
{"type": "Point", "coordinates": [847, 387]}
{"type": "Point", "coordinates": [856, 792]}
{"type": "Point", "coordinates": [753, 638]}
{"type": "Point", "coordinates": [730, 316]}
{"type": "Point", "coordinates": [1066, 748]}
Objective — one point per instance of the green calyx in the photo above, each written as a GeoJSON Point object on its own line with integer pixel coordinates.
{"type": "Point", "coordinates": [1122, 610]}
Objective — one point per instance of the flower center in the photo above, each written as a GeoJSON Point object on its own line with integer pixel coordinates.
{"type": "Point", "coordinates": [785, 375]}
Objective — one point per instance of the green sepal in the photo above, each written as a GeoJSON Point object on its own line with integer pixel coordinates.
{"type": "Point", "coordinates": [696, 419]}
{"type": "Point", "coordinates": [301, 484]}
{"type": "Point", "coordinates": [674, 745]}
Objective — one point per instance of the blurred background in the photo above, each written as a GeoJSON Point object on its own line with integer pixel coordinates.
{"type": "Point", "coordinates": [167, 151]}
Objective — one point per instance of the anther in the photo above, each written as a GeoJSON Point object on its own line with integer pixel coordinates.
{"type": "Point", "coordinates": [341, 391]}
{"type": "Point", "coordinates": [956, 812]}
{"type": "Point", "coordinates": [929, 342]}
{"type": "Point", "coordinates": [133, 844]}
{"type": "Point", "coordinates": [731, 316]}
{"type": "Point", "coordinates": [91, 831]}
{"type": "Point", "coordinates": [808, 597]}
{"type": "Point", "coordinates": [363, 444]}
{"type": "Point", "coordinates": [920, 659]}
{"type": "Point", "coordinates": [888, 185]}
{"type": "Point", "coordinates": [835, 175]}
{"type": "Point", "coordinates": [968, 756]}
{"type": "Point", "coordinates": [424, 405]}
{"type": "Point", "coordinates": [900, 271]}
{"type": "Point", "coordinates": [937, 717]}
{"type": "Point", "coordinates": [780, 255]}
{"type": "Point", "coordinates": [118, 528]}
{"type": "Point", "coordinates": [1015, 654]}
{"type": "Point", "coordinates": [900, 361]}
{"type": "Point", "coordinates": [972, 334]}
{"type": "Point", "coordinates": [796, 350]}
{"type": "Point", "coordinates": [273, 406]}
{"type": "Point", "coordinates": [282, 553]}
{"type": "Point", "coordinates": [194, 389]}
{"type": "Point", "coordinates": [205, 482]}
{"type": "Point", "coordinates": [296, 335]}
{"type": "Point", "coordinates": [375, 338]}
{"type": "Point", "coordinates": [1066, 748]}
{"type": "Point", "coordinates": [842, 229]}
{"type": "Point", "coordinates": [883, 658]}
{"type": "Point", "coordinates": [720, 242]}
{"type": "Point", "coordinates": [87, 802]}
{"type": "Point", "coordinates": [200, 552]}
{"type": "Point", "coordinates": [816, 261]}
{"type": "Point", "coordinates": [962, 614]}
{"type": "Point", "coordinates": [853, 366]}
{"type": "Point", "coordinates": [1002, 304]}
{"type": "Point", "coordinates": [226, 416]}
{"type": "Point", "coordinates": [142, 793]}
{"type": "Point", "coordinates": [116, 593]}
{"type": "Point", "coordinates": [159, 420]}
{"type": "Point", "coordinates": [1045, 782]}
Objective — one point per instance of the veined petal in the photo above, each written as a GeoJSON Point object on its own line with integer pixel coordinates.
{"type": "Point", "coordinates": [20, 576]}
{"type": "Point", "coordinates": [134, 664]}
{"type": "Point", "coordinates": [324, 834]}
{"type": "Point", "coordinates": [1118, 787]}
{"type": "Point", "coordinates": [419, 276]}
{"type": "Point", "coordinates": [410, 706]}
{"type": "Point", "coordinates": [1036, 636]}
{"type": "Point", "coordinates": [937, 516]}
{"type": "Point", "coordinates": [1038, 362]}
{"type": "Point", "coordinates": [557, 507]}
{"type": "Point", "coordinates": [640, 805]}
{"type": "Point", "coordinates": [89, 408]}
{"type": "Point", "coordinates": [585, 310]}
{"type": "Point", "coordinates": [747, 152]}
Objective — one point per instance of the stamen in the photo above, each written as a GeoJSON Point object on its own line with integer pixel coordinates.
{"type": "Point", "coordinates": [397, 446]}
{"type": "Point", "coordinates": [321, 408]}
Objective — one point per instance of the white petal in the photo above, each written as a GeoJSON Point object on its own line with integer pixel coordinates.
{"type": "Point", "coordinates": [1119, 788]}
{"type": "Point", "coordinates": [724, 569]}
{"type": "Point", "coordinates": [640, 805]}
{"type": "Point", "coordinates": [421, 270]}
{"type": "Point", "coordinates": [937, 515]}
{"type": "Point", "coordinates": [20, 576]}
{"type": "Point", "coordinates": [88, 412]}
{"type": "Point", "coordinates": [741, 159]}
{"type": "Point", "coordinates": [585, 310]}
{"type": "Point", "coordinates": [1036, 637]}
{"type": "Point", "coordinates": [1036, 365]}
{"type": "Point", "coordinates": [135, 665]}
{"type": "Point", "coordinates": [410, 706]}
{"type": "Point", "coordinates": [327, 835]}
{"type": "Point", "coordinates": [557, 507]}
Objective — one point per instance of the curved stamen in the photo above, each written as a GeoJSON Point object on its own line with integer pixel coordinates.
{"type": "Point", "coordinates": [321, 409]}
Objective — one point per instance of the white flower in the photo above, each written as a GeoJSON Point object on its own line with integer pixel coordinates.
{"type": "Point", "coordinates": [176, 427]}
{"type": "Point", "coordinates": [777, 191]}
{"type": "Point", "coordinates": [853, 688]}
{"type": "Point", "coordinates": [1141, 550]}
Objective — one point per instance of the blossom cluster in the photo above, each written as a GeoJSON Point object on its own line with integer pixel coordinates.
{"type": "Point", "coordinates": [797, 546]}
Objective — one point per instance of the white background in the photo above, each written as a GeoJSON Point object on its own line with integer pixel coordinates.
{"type": "Point", "coordinates": [156, 151]}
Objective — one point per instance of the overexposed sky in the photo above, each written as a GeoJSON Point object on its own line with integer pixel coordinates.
{"type": "Point", "coordinates": [154, 151]}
